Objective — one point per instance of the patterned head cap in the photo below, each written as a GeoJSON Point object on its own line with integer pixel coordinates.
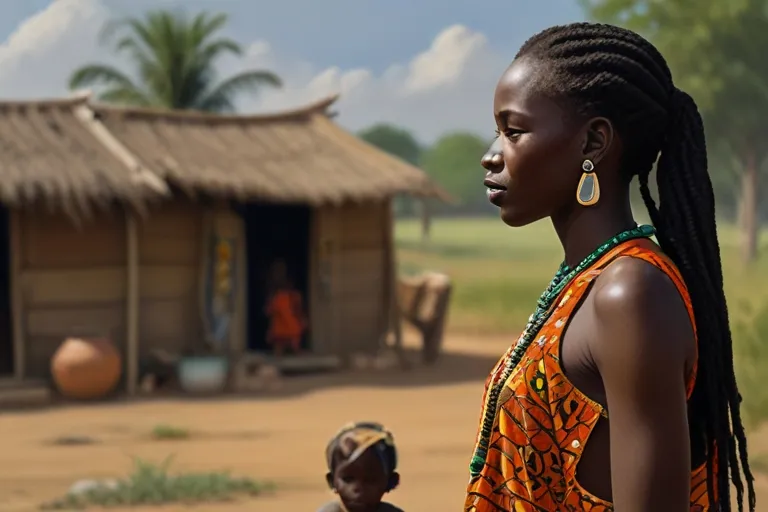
{"type": "Point", "coordinates": [355, 439]}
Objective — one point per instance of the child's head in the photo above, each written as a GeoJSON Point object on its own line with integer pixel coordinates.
{"type": "Point", "coordinates": [361, 465]}
{"type": "Point", "coordinates": [278, 273]}
{"type": "Point", "coordinates": [279, 270]}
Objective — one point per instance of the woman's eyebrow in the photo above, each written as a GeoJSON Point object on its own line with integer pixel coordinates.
{"type": "Point", "coordinates": [506, 113]}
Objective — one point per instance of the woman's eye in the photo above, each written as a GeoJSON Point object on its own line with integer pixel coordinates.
{"type": "Point", "coordinates": [509, 133]}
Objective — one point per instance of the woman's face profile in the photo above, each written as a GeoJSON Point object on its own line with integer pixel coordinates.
{"type": "Point", "coordinates": [533, 168]}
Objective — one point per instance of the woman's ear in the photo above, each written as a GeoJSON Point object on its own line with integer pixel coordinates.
{"type": "Point", "coordinates": [329, 480]}
{"type": "Point", "coordinates": [599, 135]}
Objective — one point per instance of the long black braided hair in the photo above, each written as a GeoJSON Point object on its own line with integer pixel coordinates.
{"type": "Point", "coordinates": [603, 70]}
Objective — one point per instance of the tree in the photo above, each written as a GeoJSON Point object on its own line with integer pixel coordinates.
{"type": "Point", "coordinates": [454, 162]}
{"type": "Point", "coordinates": [174, 59]}
{"type": "Point", "coordinates": [395, 141]}
{"type": "Point", "coordinates": [401, 143]}
{"type": "Point", "coordinates": [714, 49]}
{"type": "Point", "coordinates": [738, 116]}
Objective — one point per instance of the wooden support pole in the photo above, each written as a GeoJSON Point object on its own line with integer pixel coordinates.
{"type": "Point", "coordinates": [132, 304]}
{"type": "Point", "coordinates": [395, 317]}
{"type": "Point", "coordinates": [17, 298]}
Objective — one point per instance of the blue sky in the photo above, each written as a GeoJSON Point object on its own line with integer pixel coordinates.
{"type": "Point", "coordinates": [427, 64]}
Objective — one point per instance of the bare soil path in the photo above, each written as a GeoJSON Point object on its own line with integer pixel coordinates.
{"type": "Point", "coordinates": [432, 412]}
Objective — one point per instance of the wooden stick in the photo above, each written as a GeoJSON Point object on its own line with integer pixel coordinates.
{"type": "Point", "coordinates": [132, 304]}
{"type": "Point", "coordinates": [395, 319]}
{"type": "Point", "coordinates": [17, 297]}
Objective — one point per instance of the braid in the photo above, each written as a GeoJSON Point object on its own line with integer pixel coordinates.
{"type": "Point", "coordinates": [613, 72]}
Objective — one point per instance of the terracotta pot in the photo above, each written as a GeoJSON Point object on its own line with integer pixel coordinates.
{"type": "Point", "coordinates": [86, 368]}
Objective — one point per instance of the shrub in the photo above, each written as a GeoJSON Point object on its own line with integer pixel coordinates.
{"type": "Point", "coordinates": [152, 484]}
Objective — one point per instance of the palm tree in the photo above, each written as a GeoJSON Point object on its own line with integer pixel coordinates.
{"type": "Point", "coordinates": [174, 59]}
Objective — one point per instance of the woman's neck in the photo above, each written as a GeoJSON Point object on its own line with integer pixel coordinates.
{"type": "Point", "coordinates": [584, 229]}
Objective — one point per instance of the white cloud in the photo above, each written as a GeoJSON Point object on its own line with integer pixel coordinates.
{"type": "Point", "coordinates": [452, 51]}
{"type": "Point", "coordinates": [447, 87]}
{"type": "Point", "coordinates": [37, 59]}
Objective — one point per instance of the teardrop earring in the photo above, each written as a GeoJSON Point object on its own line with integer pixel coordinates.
{"type": "Point", "coordinates": [588, 192]}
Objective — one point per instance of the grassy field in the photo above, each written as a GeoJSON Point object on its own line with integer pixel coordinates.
{"type": "Point", "coordinates": [499, 272]}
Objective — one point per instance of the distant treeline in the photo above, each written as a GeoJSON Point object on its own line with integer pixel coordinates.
{"type": "Point", "coordinates": [453, 161]}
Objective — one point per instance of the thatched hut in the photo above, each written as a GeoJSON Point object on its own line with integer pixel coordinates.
{"type": "Point", "coordinates": [108, 213]}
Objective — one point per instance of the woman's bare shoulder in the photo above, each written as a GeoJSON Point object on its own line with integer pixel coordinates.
{"type": "Point", "coordinates": [640, 317]}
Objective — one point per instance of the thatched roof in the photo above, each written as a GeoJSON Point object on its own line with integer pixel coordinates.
{"type": "Point", "coordinates": [73, 151]}
{"type": "Point", "coordinates": [49, 151]}
{"type": "Point", "coordinates": [296, 156]}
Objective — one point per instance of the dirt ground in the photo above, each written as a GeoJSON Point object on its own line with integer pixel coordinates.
{"type": "Point", "coordinates": [280, 437]}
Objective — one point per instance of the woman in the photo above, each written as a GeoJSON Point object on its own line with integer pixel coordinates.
{"type": "Point", "coordinates": [620, 393]}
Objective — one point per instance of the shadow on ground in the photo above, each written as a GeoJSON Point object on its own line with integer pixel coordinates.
{"type": "Point", "coordinates": [453, 367]}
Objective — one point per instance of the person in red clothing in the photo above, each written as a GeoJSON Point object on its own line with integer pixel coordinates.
{"type": "Point", "coordinates": [285, 310]}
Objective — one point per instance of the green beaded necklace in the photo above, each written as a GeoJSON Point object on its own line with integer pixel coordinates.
{"type": "Point", "coordinates": [562, 278]}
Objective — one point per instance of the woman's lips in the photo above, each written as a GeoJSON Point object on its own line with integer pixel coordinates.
{"type": "Point", "coordinates": [495, 191]}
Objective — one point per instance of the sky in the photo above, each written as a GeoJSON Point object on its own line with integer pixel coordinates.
{"type": "Point", "coordinates": [428, 65]}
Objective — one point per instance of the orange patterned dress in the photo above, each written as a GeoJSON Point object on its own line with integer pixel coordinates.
{"type": "Point", "coordinates": [543, 422]}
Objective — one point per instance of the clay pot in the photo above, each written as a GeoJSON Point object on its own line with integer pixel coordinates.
{"type": "Point", "coordinates": [86, 368]}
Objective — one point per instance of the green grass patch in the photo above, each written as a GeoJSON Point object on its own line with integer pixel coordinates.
{"type": "Point", "coordinates": [152, 484]}
{"type": "Point", "coordinates": [498, 272]}
{"type": "Point", "coordinates": [750, 349]}
{"type": "Point", "coordinates": [169, 432]}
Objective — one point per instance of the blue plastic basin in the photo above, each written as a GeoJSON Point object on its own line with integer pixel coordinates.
{"type": "Point", "coordinates": [203, 374]}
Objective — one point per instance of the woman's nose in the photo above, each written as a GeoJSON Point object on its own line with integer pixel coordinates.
{"type": "Point", "coordinates": [493, 159]}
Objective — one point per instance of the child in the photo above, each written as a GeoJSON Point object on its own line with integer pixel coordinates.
{"type": "Point", "coordinates": [361, 469]}
{"type": "Point", "coordinates": [285, 311]}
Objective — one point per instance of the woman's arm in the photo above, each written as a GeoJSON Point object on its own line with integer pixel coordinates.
{"type": "Point", "coordinates": [643, 342]}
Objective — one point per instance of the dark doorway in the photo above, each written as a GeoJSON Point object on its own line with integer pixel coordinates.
{"type": "Point", "coordinates": [274, 232]}
{"type": "Point", "coordinates": [6, 333]}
